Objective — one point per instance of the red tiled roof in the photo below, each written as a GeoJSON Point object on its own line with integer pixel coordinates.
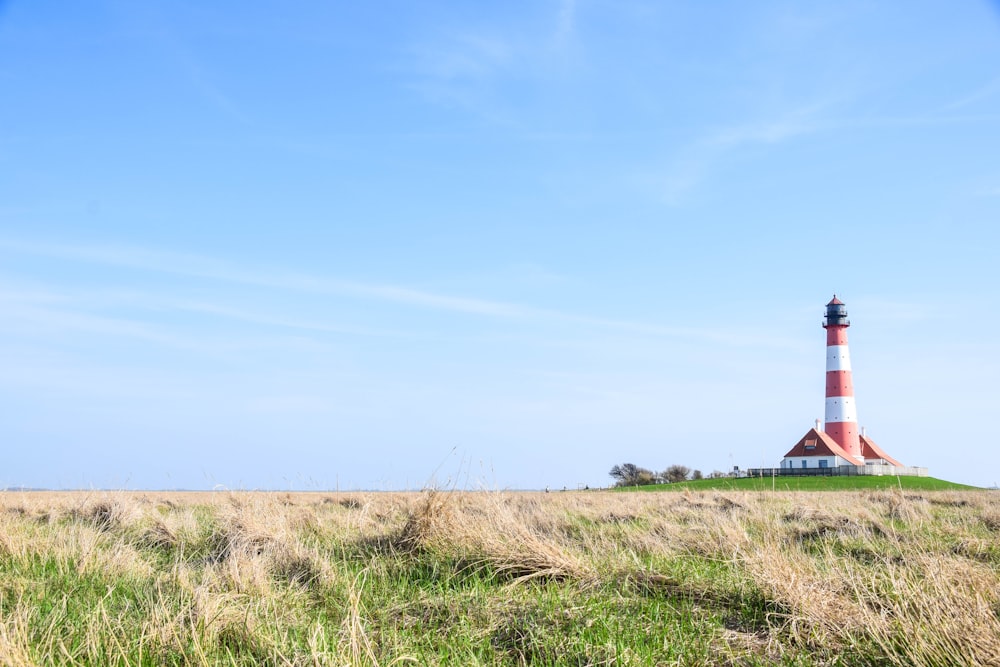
{"type": "Point", "coordinates": [817, 443]}
{"type": "Point", "coordinates": [872, 451]}
{"type": "Point", "coordinates": [835, 301]}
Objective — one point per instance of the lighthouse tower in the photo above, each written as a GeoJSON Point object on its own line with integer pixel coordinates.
{"type": "Point", "coordinates": [841, 414]}
{"type": "Point", "coordinates": [838, 444]}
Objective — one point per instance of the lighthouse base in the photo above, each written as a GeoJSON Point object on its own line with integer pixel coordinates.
{"type": "Point", "coordinates": [817, 450]}
{"type": "Point", "coordinates": [847, 470]}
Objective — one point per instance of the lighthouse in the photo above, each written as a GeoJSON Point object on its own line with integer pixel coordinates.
{"type": "Point", "coordinates": [841, 414]}
{"type": "Point", "coordinates": [838, 442]}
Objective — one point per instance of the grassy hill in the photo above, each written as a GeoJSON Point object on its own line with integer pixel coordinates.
{"type": "Point", "coordinates": [860, 483]}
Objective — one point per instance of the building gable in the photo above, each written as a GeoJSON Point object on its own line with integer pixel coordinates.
{"type": "Point", "coordinates": [817, 443]}
{"type": "Point", "coordinates": [872, 451]}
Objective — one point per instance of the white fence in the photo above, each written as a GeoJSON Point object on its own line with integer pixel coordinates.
{"type": "Point", "coordinates": [877, 470]}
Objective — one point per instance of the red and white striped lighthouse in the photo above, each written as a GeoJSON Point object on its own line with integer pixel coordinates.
{"type": "Point", "coordinates": [841, 413]}
{"type": "Point", "coordinates": [840, 444]}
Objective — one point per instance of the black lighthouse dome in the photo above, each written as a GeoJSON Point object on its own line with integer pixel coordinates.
{"type": "Point", "coordinates": [836, 314]}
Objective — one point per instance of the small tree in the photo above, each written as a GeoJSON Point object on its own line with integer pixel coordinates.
{"type": "Point", "coordinates": [645, 477]}
{"type": "Point", "coordinates": [629, 474]}
{"type": "Point", "coordinates": [676, 473]}
{"type": "Point", "coordinates": [697, 475]}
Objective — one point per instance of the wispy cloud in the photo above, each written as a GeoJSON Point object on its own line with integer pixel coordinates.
{"type": "Point", "coordinates": [94, 300]}
{"type": "Point", "coordinates": [565, 31]}
{"type": "Point", "coordinates": [198, 266]}
{"type": "Point", "coordinates": [461, 70]}
{"type": "Point", "coordinates": [987, 90]}
{"type": "Point", "coordinates": [466, 56]}
{"type": "Point", "coordinates": [156, 26]}
{"type": "Point", "coordinates": [183, 264]}
{"type": "Point", "coordinates": [695, 162]}
{"type": "Point", "coordinates": [472, 66]}
{"type": "Point", "coordinates": [250, 317]}
{"type": "Point", "coordinates": [25, 318]}
{"type": "Point", "coordinates": [793, 124]}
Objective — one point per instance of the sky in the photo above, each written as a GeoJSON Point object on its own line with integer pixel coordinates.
{"type": "Point", "coordinates": [383, 245]}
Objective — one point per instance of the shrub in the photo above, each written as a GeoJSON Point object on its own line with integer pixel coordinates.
{"type": "Point", "coordinates": [675, 473]}
{"type": "Point", "coordinates": [629, 474]}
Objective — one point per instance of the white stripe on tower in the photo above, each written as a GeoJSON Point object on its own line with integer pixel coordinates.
{"type": "Point", "coordinates": [841, 416]}
{"type": "Point", "coordinates": [838, 358]}
{"type": "Point", "coordinates": [840, 409]}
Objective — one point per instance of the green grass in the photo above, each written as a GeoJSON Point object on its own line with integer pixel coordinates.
{"type": "Point", "coordinates": [729, 576]}
{"type": "Point", "coordinates": [859, 483]}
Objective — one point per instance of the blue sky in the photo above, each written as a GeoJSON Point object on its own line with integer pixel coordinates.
{"type": "Point", "coordinates": [367, 245]}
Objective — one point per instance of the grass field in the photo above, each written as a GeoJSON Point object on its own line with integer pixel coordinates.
{"type": "Point", "coordinates": [883, 577]}
{"type": "Point", "coordinates": [815, 483]}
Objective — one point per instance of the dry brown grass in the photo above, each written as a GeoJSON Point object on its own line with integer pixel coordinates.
{"type": "Point", "coordinates": [909, 579]}
{"type": "Point", "coordinates": [489, 530]}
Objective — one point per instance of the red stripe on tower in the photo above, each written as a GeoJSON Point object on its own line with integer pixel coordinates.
{"type": "Point", "coordinates": [841, 415]}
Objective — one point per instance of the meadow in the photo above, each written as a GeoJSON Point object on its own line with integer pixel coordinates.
{"type": "Point", "coordinates": [711, 577]}
{"type": "Point", "coordinates": [802, 483]}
